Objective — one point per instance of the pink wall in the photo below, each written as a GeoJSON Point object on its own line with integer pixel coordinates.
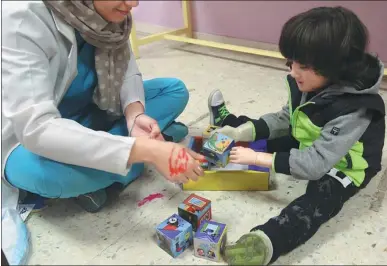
{"type": "Point", "coordinates": [259, 20]}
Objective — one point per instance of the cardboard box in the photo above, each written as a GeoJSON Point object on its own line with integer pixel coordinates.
{"type": "Point", "coordinates": [253, 178]}
{"type": "Point", "coordinates": [210, 240]}
{"type": "Point", "coordinates": [195, 210]}
{"type": "Point", "coordinates": [174, 235]}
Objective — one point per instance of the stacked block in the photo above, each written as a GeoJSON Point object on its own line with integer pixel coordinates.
{"type": "Point", "coordinates": [217, 149]}
{"type": "Point", "coordinates": [177, 232]}
{"type": "Point", "coordinates": [195, 210]}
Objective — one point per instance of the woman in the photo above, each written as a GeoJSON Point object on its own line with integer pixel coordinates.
{"type": "Point", "coordinates": [77, 116]}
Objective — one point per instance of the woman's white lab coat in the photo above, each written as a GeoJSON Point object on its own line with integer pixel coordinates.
{"type": "Point", "coordinates": [39, 62]}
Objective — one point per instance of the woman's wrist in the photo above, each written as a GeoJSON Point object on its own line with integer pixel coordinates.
{"type": "Point", "coordinates": [143, 150]}
{"type": "Point", "coordinates": [133, 109]}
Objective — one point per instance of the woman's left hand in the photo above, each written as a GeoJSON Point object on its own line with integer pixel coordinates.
{"type": "Point", "coordinates": [144, 126]}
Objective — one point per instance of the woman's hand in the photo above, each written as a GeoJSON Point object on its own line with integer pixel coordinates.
{"type": "Point", "coordinates": [247, 156]}
{"type": "Point", "coordinates": [143, 125]}
{"type": "Point", "coordinates": [178, 163]}
{"type": "Point", "coordinates": [175, 162]}
{"type": "Point", "coordinates": [139, 124]}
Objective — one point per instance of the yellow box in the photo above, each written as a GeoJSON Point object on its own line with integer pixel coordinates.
{"type": "Point", "coordinates": [228, 180]}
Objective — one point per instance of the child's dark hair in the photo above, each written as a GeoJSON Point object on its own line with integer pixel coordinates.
{"type": "Point", "coordinates": [333, 42]}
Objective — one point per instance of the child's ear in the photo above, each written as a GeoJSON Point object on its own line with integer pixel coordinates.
{"type": "Point", "coordinates": [289, 63]}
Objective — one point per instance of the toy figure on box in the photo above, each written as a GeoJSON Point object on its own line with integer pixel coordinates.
{"type": "Point", "coordinates": [217, 149]}
{"type": "Point", "coordinates": [210, 240]}
{"type": "Point", "coordinates": [208, 132]}
{"type": "Point", "coordinates": [195, 210]}
{"type": "Point", "coordinates": [174, 235]}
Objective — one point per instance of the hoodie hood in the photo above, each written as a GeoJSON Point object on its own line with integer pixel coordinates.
{"type": "Point", "coordinates": [340, 89]}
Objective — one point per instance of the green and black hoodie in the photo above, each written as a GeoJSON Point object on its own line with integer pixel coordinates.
{"type": "Point", "coordinates": [339, 127]}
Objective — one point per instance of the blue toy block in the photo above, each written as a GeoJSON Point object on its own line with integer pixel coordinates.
{"type": "Point", "coordinates": [217, 149]}
{"type": "Point", "coordinates": [174, 235]}
{"type": "Point", "coordinates": [210, 240]}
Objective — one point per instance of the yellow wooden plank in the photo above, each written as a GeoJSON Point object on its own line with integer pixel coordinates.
{"type": "Point", "coordinates": [160, 36]}
{"type": "Point", "coordinates": [186, 8]}
{"type": "Point", "coordinates": [225, 46]}
{"type": "Point", "coordinates": [134, 40]}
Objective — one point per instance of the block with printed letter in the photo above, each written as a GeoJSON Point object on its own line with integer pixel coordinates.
{"type": "Point", "coordinates": [210, 240]}
{"type": "Point", "coordinates": [174, 235]}
{"type": "Point", "coordinates": [195, 210]}
{"type": "Point", "coordinates": [209, 131]}
{"type": "Point", "coordinates": [217, 149]}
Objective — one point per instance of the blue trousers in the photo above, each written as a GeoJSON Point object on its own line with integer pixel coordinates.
{"type": "Point", "coordinates": [165, 98]}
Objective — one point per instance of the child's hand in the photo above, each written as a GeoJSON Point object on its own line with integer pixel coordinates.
{"type": "Point", "coordinates": [247, 156]}
{"type": "Point", "coordinates": [242, 155]}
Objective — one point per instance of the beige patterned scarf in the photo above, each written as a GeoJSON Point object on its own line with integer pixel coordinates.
{"type": "Point", "coordinates": [111, 53]}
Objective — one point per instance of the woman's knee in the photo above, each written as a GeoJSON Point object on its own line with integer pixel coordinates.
{"type": "Point", "coordinates": [31, 178]}
{"type": "Point", "coordinates": [181, 92]}
{"type": "Point", "coordinates": [180, 89]}
{"type": "Point", "coordinates": [134, 173]}
{"type": "Point", "coordinates": [39, 175]}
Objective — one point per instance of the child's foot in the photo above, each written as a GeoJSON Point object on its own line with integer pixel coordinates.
{"type": "Point", "coordinates": [254, 248]}
{"type": "Point", "coordinates": [92, 202]}
{"type": "Point", "coordinates": [175, 132]}
{"type": "Point", "coordinates": [217, 107]}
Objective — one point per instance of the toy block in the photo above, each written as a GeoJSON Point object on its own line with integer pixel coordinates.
{"type": "Point", "coordinates": [210, 240]}
{"type": "Point", "coordinates": [250, 178]}
{"type": "Point", "coordinates": [208, 132]}
{"type": "Point", "coordinates": [217, 149]}
{"type": "Point", "coordinates": [195, 210]}
{"type": "Point", "coordinates": [174, 235]}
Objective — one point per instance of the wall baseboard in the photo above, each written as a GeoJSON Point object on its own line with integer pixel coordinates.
{"type": "Point", "coordinates": [146, 29]}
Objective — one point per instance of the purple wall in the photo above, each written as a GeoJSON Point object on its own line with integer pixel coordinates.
{"type": "Point", "coordinates": [259, 20]}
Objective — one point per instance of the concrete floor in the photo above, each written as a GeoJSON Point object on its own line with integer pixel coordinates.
{"type": "Point", "coordinates": [123, 233]}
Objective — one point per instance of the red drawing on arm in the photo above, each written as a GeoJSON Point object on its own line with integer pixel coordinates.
{"type": "Point", "coordinates": [179, 164]}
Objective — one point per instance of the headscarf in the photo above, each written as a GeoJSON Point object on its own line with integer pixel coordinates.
{"type": "Point", "coordinates": [112, 49]}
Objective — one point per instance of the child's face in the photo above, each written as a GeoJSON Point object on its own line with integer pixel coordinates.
{"type": "Point", "coordinates": [307, 79]}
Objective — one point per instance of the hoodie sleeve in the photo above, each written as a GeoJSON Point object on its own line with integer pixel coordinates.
{"type": "Point", "coordinates": [315, 161]}
{"type": "Point", "coordinates": [275, 124]}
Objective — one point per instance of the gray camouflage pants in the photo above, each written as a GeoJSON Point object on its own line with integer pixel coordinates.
{"type": "Point", "coordinates": [301, 219]}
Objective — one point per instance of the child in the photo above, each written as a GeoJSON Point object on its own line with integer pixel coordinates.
{"type": "Point", "coordinates": [331, 132]}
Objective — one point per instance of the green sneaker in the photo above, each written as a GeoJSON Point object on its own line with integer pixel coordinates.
{"type": "Point", "coordinates": [254, 248]}
{"type": "Point", "coordinates": [217, 108]}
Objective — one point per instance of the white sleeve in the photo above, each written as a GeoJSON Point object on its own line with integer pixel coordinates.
{"type": "Point", "coordinates": [132, 88]}
{"type": "Point", "coordinates": [28, 101]}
